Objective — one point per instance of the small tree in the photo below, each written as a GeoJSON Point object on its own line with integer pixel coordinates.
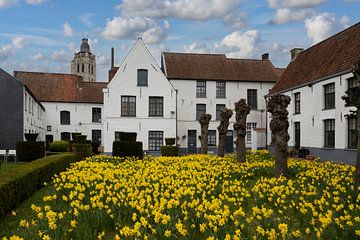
{"type": "Point", "coordinates": [242, 110]}
{"type": "Point", "coordinates": [352, 98]}
{"type": "Point", "coordinates": [204, 123]}
{"type": "Point", "coordinates": [279, 125]}
{"type": "Point", "coordinates": [226, 114]}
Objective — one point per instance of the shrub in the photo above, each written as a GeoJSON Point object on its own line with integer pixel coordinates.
{"type": "Point", "coordinates": [59, 146]}
{"type": "Point", "coordinates": [31, 137]}
{"type": "Point", "coordinates": [169, 151]}
{"type": "Point", "coordinates": [169, 141]}
{"type": "Point", "coordinates": [74, 134]}
{"type": "Point", "coordinates": [128, 149]}
{"type": "Point", "coordinates": [80, 138]}
{"type": "Point", "coordinates": [127, 136]}
{"type": "Point", "coordinates": [18, 185]}
{"type": "Point", "coordinates": [29, 151]}
{"type": "Point", "coordinates": [82, 150]}
{"type": "Point", "coordinates": [95, 147]}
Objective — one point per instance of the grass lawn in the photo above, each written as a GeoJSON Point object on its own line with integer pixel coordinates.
{"type": "Point", "coordinates": [10, 166]}
{"type": "Point", "coordinates": [191, 197]}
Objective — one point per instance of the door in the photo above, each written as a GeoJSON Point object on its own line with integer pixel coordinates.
{"type": "Point", "coordinates": [48, 139]}
{"type": "Point", "coordinates": [96, 136]}
{"type": "Point", "coordinates": [297, 134]}
{"type": "Point", "coordinates": [229, 142]}
{"type": "Point", "coordinates": [192, 141]}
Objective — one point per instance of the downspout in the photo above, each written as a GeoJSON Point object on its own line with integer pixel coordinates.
{"type": "Point", "coordinates": [176, 118]}
{"type": "Point", "coordinates": [266, 123]}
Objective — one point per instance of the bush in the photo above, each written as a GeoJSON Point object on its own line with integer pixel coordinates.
{"type": "Point", "coordinates": [74, 134]}
{"type": "Point", "coordinates": [128, 149]}
{"type": "Point", "coordinates": [29, 151]}
{"type": "Point", "coordinates": [82, 150]}
{"type": "Point", "coordinates": [169, 141]}
{"type": "Point", "coordinates": [95, 147]}
{"type": "Point", "coordinates": [31, 137]}
{"type": "Point", "coordinates": [59, 146]}
{"type": "Point", "coordinates": [169, 151]}
{"type": "Point", "coordinates": [80, 138]}
{"type": "Point", "coordinates": [127, 136]}
{"type": "Point", "coordinates": [18, 185]}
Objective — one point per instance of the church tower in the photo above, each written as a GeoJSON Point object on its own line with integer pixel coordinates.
{"type": "Point", "coordinates": [84, 63]}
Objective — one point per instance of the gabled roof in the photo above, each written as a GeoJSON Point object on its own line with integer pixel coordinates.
{"type": "Point", "coordinates": [6, 76]}
{"type": "Point", "coordinates": [196, 66]}
{"type": "Point", "coordinates": [332, 56]}
{"type": "Point", "coordinates": [58, 87]}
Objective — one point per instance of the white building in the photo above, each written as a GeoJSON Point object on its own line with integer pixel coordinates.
{"type": "Point", "coordinates": [316, 79]}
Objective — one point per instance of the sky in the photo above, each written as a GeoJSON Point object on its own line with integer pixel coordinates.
{"type": "Point", "coordinates": [43, 35]}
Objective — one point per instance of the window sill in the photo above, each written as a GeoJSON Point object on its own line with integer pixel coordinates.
{"type": "Point", "coordinates": [298, 113]}
{"type": "Point", "coordinates": [221, 97]}
{"type": "Point", "coordinates": [142, 85]}
{"type": "Point", "coordinates": [96, 122]}
{"type": "Point", "coordinates": [328, 148]}
{"type": "Point", "coordinates": [324, 109]}
{"type": "Point", "coordinates": [127, 116]}
{"type": "Point", "coordinates": [157, 116]}
{"type": "Point", "coordinates": [200, 96]}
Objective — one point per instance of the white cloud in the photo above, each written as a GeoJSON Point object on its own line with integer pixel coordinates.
{"type": "Point", "coordinates": [35, 2]}
{"type": "Point", "coordinates": [286, 15]}
{"type": "Point", "coordinates": [236, 20]}
{"type": "Point", "coordinates": [182, 9]}
{"type": "Point", "coordinates": [38, 57]}
{"type": "Point", "coordinates": [294, 3]}
{"type": "Point", "coordinates": [67, 30]}
{"type": "Point", "coordinates": [196, 48]}
{"type": "Point", "coordinates": [130, 28]}
{"type": "Point", "coordinates": [101, 60]}
{"type": "Point", "coordinates": [7, 3]}
{"type": "Point", "coordinates": [61, 56]}
{"type": "Point", "coordinates": [10, 49]}
{"type": "Point", "coordinates": [238, 44]}
{"type": "Point", "coordinates": [324, 25]}
{"type": "Point", "coordinates": [72, 47]}
{"type": "Point", "coordinates": [86, 19]}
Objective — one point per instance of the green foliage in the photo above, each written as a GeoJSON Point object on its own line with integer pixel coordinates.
{"type": "Point", "coordinates": [127, 136]}
{"type": "Point", "coordinates": [169, 141]}
{"type": "Point", "coordinates": [20, 183]}
{"type": "Point", "coordinates": [82, 150]}
{"type": "Point", "coordinates": [95, 147]}
{"type": "Point", "coordinates": [29, 151]}
{"type": "Point", "coordinates": [169, 151]}
{"type": "Point", "coordinates": [80, 138]}
{"type": "Point", "coordinates": [59, 146]}
{"type": "Point", "coordinates": [128, 149]}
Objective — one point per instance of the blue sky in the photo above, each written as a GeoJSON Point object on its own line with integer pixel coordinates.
{"type": "Point", "coordinates": [42, 35]}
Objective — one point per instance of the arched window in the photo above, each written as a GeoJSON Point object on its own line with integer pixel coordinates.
{"type": "Point", "coordinates": [65, 136]}
{"type": "Point", "coordinates": [92, 69]}
{"type": "Point", "coordinates": [83, 67]}
{"type": "Point", "coordinates": [78, 68]}
{"type": "Point", "coordinates": [65, 118]}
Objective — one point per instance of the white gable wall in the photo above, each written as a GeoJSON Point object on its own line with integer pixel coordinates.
{"type": "Point", "coordinates": [33, 116]}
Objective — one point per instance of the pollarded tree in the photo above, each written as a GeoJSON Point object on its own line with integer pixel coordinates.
{"type": "Point", "coordinates": [242, 110]}
{"type": "Point", "coordinates": [352, 98]}
{"type": "Point", "coordinates": [279, 125]}
{"type": "Point", "coordinates": [204, 124]}
{"type": "Point", "coordinates": [225, 115]}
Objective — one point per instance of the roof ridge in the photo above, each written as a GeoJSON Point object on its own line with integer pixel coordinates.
{"type": "Point", "coordinates": [248, 59]}
{"type": "Point", "coordinates": [182, 53]}
{"type": "Point", "coordinates": [46, 73]}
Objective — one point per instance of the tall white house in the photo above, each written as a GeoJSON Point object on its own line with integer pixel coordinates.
{"type": "Point", "coordinates": [316, 79]}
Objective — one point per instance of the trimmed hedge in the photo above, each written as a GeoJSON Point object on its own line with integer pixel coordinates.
{"type": "Point", "coordinates": [128, 149]}
{"type": "Point", "coordinates": [127, 136]}
{"type": "Point", "coordinates": [82, 150]}
{"type": "Point", "coordinates": [22, 182]}
{"type": "Point", "coordinates": [169, 141]}
{"type": "Point", "coordinates": [169, 151]}
{"type": "Point", "coordinates": [59, 146]}
{"type": "Point", "coordinates": [29, 151]}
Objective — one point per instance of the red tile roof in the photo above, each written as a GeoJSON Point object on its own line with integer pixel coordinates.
{"type": "Point", "coordinates": [332, 56]}
{"type": "Point", "coordinates": [57, 87]}
{"type": "Point", "coordinates": [217, 67]}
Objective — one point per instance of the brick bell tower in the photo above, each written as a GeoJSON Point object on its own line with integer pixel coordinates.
{"type": "Point", "coordinates": [84, 63]}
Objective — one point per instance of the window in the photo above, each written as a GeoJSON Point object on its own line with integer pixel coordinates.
{"type": "Point", "coordinates": [29, 104]}
{"type": "Point", "coordinates": [32, 107]}
{"type": "Point", "coordinates": [92, 69]}
{"type": "Point", "coordinates": [155, 140]}
{"type": "Point", "coordinates": [200, 109]}
{"type": "Point", "coordinates": [297, 103]}
{"type": "Point", "coordinates": [353, 83]}
{"type": "Point", "coordinates": [65, 136]}
{"type": "Point", "coordinates": [25, 102]}
{"type": "Point", "coordinates": [329, 90]}
{"type": "Point", "coordinates": [83, 67]}
{"type": "Point", "coordinates": [212, 138]}
{"type": "Point", "coordinates": [329, 133]}
{"type": "Point", "coordinates": [352, 133]}
{"type": "Point", "coordinates": [142, 77]}
{"type": "Point", "coordinates": [297, 134]}
{"type": "Point", "coordinates": [200, 89]}
{"type": "Point", "coordinates": [249, 127]}
{"type": "Point", "coordinates": [65, 118]}
{"type": "Point", "coordinates": [128, 106]}
{"type": "Point", "coordinates": [96, 115]}
{"type": "Point", "coordinates": [219, 108]}
{"type": "Point", "coordinates": [220, 89]}
{"type": "Point", "coordinates": [78, 68]}
{"type": "Point", "coordinates": [96, 136]}
{"type": "Point", "coordinates": [156, 106]}
{"type": "Point", "coordinates": [252, 98]}
{"type": "Point", "coordinates": [48, 128]}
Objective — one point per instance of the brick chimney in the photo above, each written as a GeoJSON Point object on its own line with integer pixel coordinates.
{"type": "Point", "coordinates": [294, 52]}
{"type": "Point", "coordinates": [265, 56]}
{"type": "Point", "coordinates": [113, 69]}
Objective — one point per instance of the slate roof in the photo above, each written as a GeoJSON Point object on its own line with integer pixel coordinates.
{"type": "Point", "coordinates": [332, 56]}
{"type": "Point", "coordinates": [58, 87]}
{"type": "Point", "coordinates": [195, 66]}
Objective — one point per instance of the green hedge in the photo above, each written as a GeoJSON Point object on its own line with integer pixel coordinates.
{"type": "Point", "coordinates": [29, 151]}
{"type": "Point", "coordinates": [82, 150]}
{"type": "Point", "coordinates": [169, 141]}
{"type": "Point", "coordinates": [59, 146]}
{"type": "Point", "coordinates": [127, 136]}
{"type": "Point", "coordinates": [169, 151]}
{"type": "Point", "coordinates": [128, 149]}
{"type": "Point", "coordinates": [20, 183]}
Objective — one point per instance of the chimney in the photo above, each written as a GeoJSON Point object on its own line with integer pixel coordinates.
{"type": "Point", "coordinates": [294, 52]}
{"type": "Point", "coordinates": [265, 56]}
{"type": "Point", "coordinates": [112, 58]}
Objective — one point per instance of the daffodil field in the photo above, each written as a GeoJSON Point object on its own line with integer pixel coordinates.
{"type": "Point", "coordinates": [196, 197]}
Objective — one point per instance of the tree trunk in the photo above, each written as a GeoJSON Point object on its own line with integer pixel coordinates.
{"type": "Point", "coordinates": [204, 124]}
{"type": "Point", "coordinates": [242, 110]}
{"type": "Point", "coordinates": [241, 149]}
{"type": "Point", "coordinates": [226, 114]}
{"type": "Point", "coordinates": [357, 170]}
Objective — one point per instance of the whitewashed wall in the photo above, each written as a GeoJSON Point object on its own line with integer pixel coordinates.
{"type": "Point", "coordinates": [33, 116]}
{"type": "Point", "coordinates": [235, 90]}
{"type": "Point", "coordinates": [80, 118]}
{"type": "Point", "coordinates": [125, 83]}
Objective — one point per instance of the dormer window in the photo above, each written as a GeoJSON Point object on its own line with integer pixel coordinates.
{"type": "Point", "coordinates": [142, 77]}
